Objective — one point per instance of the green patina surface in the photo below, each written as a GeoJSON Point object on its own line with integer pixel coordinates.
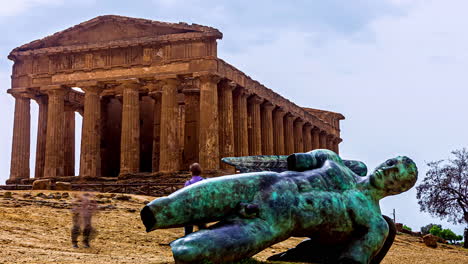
{"type": "Point", "coordinates": [319, 196]}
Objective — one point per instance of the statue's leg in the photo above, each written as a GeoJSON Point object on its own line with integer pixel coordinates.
{"type": "Point", "coordinates": [227, 241]}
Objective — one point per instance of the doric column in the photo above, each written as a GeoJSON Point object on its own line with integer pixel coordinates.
{"type": "Point", "coordinates": [156, 94]}
{"type": "Point", "coordinates": [278, 131]}
{"type": "Point", "coordinates": [307, 136]}
{"type": "Point", "coordinates": [255, 127]}
{"type": "Point", "coordinates": [336, 145]}
{"type": "Point", "coordinates": [54, 158]}
{"type": "Point", "coordinates": [330, 142]}
{"type": "Point", "coordinates": [267, 128]}
{"type": "Point", "coordinates": [169, 143]}
{"type": "Point", "coordinates": [19, 168]}
{"type": "Point", "coordinates": [315, 138]}
{"type": "Point", "coordinates": [288, 133]}
{"type": "Point", "coordinates": [323, 139]}
{"type": "Point", "coordinates": [41, 136]}
{"type": "Point", "coordinates": [191, 93]}
{"type": "Point", "coordinates": [130, 137]}
{"type": "Point", "coordinates": [226, 122]}
{"type": "Point", "coordinates": [209, 123]}
{"type": "Point", "coordinates": [298, 136]}
{"type": "Point", "coordinates": [241, 134]}
{"type": "Point", "coordinates": [69, 142]}
{"type": "Point", "coordinates": [90, 155]}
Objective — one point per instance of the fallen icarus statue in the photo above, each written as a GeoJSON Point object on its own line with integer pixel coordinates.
{"type": "Point", "coordinates": [319, 196]}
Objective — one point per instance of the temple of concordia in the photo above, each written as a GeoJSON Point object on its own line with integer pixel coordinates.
{"type": "Point", "coordinates": [154, 98]}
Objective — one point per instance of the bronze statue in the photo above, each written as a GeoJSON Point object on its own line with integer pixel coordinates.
{"type": "Point", "coordinates": [319, 197]}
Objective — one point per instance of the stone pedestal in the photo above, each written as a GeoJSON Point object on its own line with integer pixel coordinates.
{"type": "Point", "coordinates": [54, 158]}
{"type": "Point", "coordinates": [41, 137]}
{"type": "Point", "coordinates": [21, 139]}
{"type": "Point", "coordinates": [298, 136]}
{"type": "Point", "coordinates": [267, 128]}
{"type": "Point", "coordinates": [90, 158]}
{"type": "Point", "coordinates": [226, 122]}
{"type": "Point", "coordinates": [130, 137]}
{"type": "Point", "coordinates": [307, 136]}
{"type": "Point", "coordinates": [209, 123]}
{"type": "Point", "coordinates": [69, 142]}
{"type": "Point", "coordinates": [255, 126]}
{"type": "Point", "coordinates": [241, 135]}
{"type": "Point", "coordinates": [278, 132]}
{"type": "Point", "coordinates": [288, 134]}
{"type": "Point", "coordinates": [169, 143]}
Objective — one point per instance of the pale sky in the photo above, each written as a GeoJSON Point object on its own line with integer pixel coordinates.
{"type": "Point", "coordinates": [394, 68]}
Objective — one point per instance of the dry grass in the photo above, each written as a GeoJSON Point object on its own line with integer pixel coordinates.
{"type": "Point", "coordinates": [36, 230]}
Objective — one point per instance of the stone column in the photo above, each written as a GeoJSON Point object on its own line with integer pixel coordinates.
{"type": "Point", "coordinates": [41, 136]}
{"type": "Point", "coordinates": [330, 143]}
{"type": "Point", "coordinates": [255, 127]}
{"type": "Point", "coordinates": [156, 95]}
{"type": "Point", "coordinates": [298, 136]}
{"type": "Point", "coordinates": [226, 122]}
{"type": "Point", "coordinates": [289, 134]}
{"type": "Point", "coordinates": [315, 138]}
{"type": "Point", "coordinates": [54, 158]}
{"type": "Point", "coordinates": [169, 143]}
{"type": "Point", "coordinates": [191, 93]}
{"type": "Point", "coordinates": [90, 156]}
{"type": "Point", "coordinates": [209, 123]}
{"type": "Point", "coordinates": [130, 137]}
{"type": "Point", "coordinates": [307, 135]}
{"type": "Point", "coordinates": [267, 128]}
{"type": "Point", "coordinates": [336, 145]}
{"type": "Point", "coordinates": [278, 132]}
{"type": "Point", "coordinates": [323, 139]}
{"type": "Point", "coordinates": [21, 139]}
{"type": "Point", "coordinates": [241, 134]}
{"type": "Point", "coordinates": [69, 142]}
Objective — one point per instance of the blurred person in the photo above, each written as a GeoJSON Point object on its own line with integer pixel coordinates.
{"type": "Point", "coordinates": [83, 208]}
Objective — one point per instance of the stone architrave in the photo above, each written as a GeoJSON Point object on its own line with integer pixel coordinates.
{"type": "Point", "coordinates": [209, 123]}
{"type": "Point", "coordinates": [241, 134]}
{"type": "Point", "coordinates": [323, 139]}
{"type": "Point", "coordinates": [169, 142]}
{"type": "Point", "coordinates": [298, 136]}
{"type": "Point", "coordinates": [255, 127]}
{"type": "Point", "coordinates": [267, 128]}
{"type": "Point", "coordinates": [226, 122]}
{"type": "Point", "coordinates": [130, 137]}
{"type": "Point", "coordinates": [315, 138]}
{"type": "Point", "coordinates": [278, 131]}
{"type": "Point", "coordinates": [69, 142]}
{"type": "Point", "coordinates": [21, 138]}
{"type": "Point", "coordinates": [307, 136]}
{"type": "Point", "coordinates": [90, 158]}
{"type": "Point", "coordinates": [289, 134]}
{"type": "Point", "coordinates": [191, 93]}
{"type": "Point", "coordinates": [55, 153]}
{"type": "Point", "coordinates": [41, 137]}
{"type": "Point", "coordinates": [155, 92]}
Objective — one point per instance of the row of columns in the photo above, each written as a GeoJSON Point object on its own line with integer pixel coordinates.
{"type": "Point", "coordinates": [221, 119]}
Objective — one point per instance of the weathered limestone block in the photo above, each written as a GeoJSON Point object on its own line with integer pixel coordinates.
{"type": "Point", "coordinates": [43, 184]}
{"type": "Point", "coordinates": [63, 186]}
{"type": "Point", "coordinates": [430, 240]}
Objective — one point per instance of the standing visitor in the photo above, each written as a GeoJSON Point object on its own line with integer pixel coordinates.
{"type": "Point", "coordinates": [83, 209]}
{"type": "Point", "coordinates": [195, 169]}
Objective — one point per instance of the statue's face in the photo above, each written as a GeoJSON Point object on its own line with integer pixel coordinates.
{"type": "Point", "coordinates": [395, 175]}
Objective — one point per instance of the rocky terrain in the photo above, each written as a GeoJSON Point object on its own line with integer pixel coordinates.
{"type": "Point", "coordinates": [35, 228]}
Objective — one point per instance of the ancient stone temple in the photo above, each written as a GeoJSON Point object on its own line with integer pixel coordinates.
{"type": "Point", "coordinates": [154, 98]}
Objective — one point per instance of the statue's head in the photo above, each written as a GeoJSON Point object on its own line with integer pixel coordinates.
{"type": "Point", "coordinates": [395, 175]}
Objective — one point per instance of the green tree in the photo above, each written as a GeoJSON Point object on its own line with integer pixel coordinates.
{"type": "Point", "coordinates": [436, 230]}
{"type": "Point", "coordinates": [407, 227]}
{"type": "Point", "coordinates": [425, 229]}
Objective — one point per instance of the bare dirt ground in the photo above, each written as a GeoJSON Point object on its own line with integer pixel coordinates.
{"type": "Point", "coordinates": [37, 230]}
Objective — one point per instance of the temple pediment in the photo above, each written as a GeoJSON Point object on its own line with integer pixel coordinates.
{"type": "Point", "coordinates": [110, 28]}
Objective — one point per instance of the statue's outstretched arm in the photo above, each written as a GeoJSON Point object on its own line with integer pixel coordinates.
{"type": "Point", "coordinates": [311, 160]}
